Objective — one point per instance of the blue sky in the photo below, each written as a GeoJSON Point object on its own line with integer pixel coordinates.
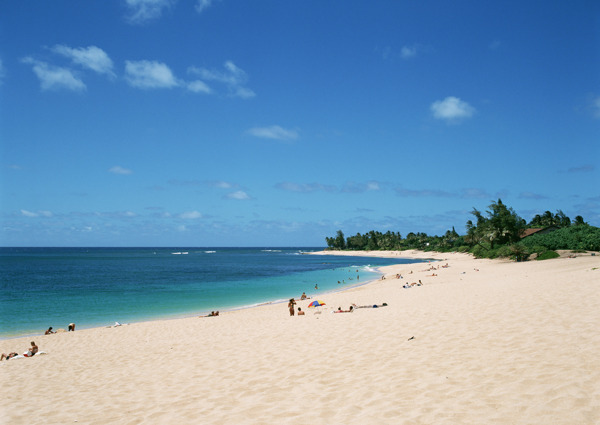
{"type": "Point", "coordinates": [275, 123]}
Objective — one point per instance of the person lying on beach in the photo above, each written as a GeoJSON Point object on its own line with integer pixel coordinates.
{"type": "Point", "coordinates": [431, 275]}
{"type": "Point", "coordinates": [49, 331]}
{"type": "Point", "coordinates": [300, 312]}
{"type": "Point", "coordinates": [31, 351]}
{"type": "Point", "coordinates": [8, 356]}
{"type": "Point", "coordinates": [370, 306]}
{"type": "Point", "coordinates": [339, 310]}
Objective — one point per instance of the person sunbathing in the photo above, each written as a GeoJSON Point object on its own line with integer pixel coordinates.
{"type": "Point", "coordinates": [369, 306]}
{"type": "Point", "coordinates": [300, 312]}
{"type": "Point", "coordinates": [49, 331]}
{"type": "Point", "coordinates": [8, 356]}
{"type": "Point", "coordinates": [30, 352]}
{"type": "Point", "coordinates": [339, 310]}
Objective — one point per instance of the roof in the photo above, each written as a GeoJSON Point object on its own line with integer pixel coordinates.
{"type": "Point", "coordinates": [529, 232]}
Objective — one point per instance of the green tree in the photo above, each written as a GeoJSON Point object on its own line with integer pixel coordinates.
{"type": "Point", "coordinates": [501, 225]}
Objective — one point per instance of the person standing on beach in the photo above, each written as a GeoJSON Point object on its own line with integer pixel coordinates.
{"type": "Point", "coordinates": [71, 327]}
{"type": "Point", "coordinates": [291, 306]}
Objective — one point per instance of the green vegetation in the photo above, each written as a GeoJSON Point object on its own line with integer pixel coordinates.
{"type": "Point", "coordinates": [496, 233]}
{"type": "Point", "coordinates": [574, 237]}
{"type": "Point", "coordinates": [547, 255]}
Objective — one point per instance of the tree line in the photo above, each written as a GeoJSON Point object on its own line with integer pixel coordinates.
{"type": "Point", "coordinates": [494, 233]}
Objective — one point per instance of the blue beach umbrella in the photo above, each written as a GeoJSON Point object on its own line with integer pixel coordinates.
{"type": "Point", "coordinates": [317, 303]}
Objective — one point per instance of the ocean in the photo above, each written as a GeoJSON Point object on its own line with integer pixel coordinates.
{"type": "Point", "coordinates": [42, 287]}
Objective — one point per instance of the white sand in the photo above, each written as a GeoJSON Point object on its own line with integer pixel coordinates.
{"type": "Point", "coordinates": [512, 343]}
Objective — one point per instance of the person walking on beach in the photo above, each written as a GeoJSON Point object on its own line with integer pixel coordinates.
{"type": "Point", "coordinates": [291, 306]}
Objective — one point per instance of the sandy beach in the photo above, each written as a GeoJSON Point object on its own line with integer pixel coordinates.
{"type": "Point", "coordinates": [481, 342]}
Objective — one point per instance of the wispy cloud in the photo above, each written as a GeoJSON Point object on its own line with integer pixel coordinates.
{"type": "Point", "coordinates": [202, 5]}
{"type": "Point", "coordinates": [91, 57]}
{"type": "Point", "coordinates": [54, 77]}
{"type": "Point", "coordinates": [239, 195]}
{"type": "Point", "coordinates": [199, 87]}
{"type": "Point", "coordinates": [146, 74]}
{"type": "Point", "coordinates": [221, 184]}
{"type": "Point", "coordinates": [408, 52]}
{"type": "Point", "coordinates": [421, 193]}
{"type": "Point", "coordinates": [451, 109]}
{"type": "Point", "coordinates": [474, 193]}
{"type": "Point", "coordinates": [352, 187]}
{"type": "Point", "coordinates": [119, 170]}
{"type": "Point", "coordinates": [142, 11]}
{"type": "Point", "coordinates": [32, 214]}
{"type": "Point", "coordinates": [582, 169]}
{"type": "Point", "coordinates": [190, 215]}
{"type": "Point", "coordinates": [531, 195]}
{"type": "Point", "coordinates": [274, 132]}
{"type": "Point", "coordinates": [232, 77]}
{"type": "Point", "coordinates": [596, 107]}
{"type": "Point", "coordinates": [305, 187]}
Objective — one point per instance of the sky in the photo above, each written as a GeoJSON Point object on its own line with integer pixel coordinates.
{"type": "Point", "coordinates": [276, 123]}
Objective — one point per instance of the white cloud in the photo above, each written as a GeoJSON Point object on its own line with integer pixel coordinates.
{"type": "Point", "coordinates": [451, 109]}
{"type": "Point", "coordinates": [119, 170]}
{"type": "Point", "coordinates": [233, 77]}
{"type": "Point", "coordinates": [54, 77]}
{"type": "Point", "coordinates": [199, 87]}
{"type": "Point", "coordinates": [149, 75]}
{"type": "Point", "coordinates": [240, 195]}
{"type": "Point", "coordinates": [242, 92]}
{"type": "Point", "coordinates": [201, 5]}
{"type": "Point", "coordinates": [146, 10]}
{"type": "Point", "coordinates": [274, 132]}
{"type": "Point", "coordinates": [408, 52]}
{"type": "Point", "coordinates": [190, 215]}
{"type": "Point", "coordinates": [91, 57]}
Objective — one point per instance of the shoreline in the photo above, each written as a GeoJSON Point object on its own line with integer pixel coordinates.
{"type": "Point", "coordinates": [187, 315]}
{"type": "Point", "coordinates": [482, 341]}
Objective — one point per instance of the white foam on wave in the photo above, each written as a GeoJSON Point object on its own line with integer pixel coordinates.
{"type": "Point", "coordinates": [209, 252]}
{"type": "Point", "coordinates": [271, 250]}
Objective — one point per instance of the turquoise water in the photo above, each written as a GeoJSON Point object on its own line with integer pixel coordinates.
{"type": "Point", "coordinates": [41, 287]}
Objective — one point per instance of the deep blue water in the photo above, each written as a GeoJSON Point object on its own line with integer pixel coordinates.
{"type": "Point", "coordinates": [41, 287]}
